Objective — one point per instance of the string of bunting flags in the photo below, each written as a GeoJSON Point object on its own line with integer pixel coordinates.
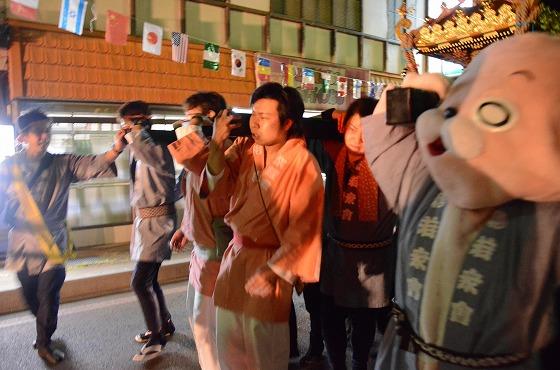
{"type": "Point", "coordinates": [72, 16]}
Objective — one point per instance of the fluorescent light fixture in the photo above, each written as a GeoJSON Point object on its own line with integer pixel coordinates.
{"type": "Point", "coordinates": [311, 113]}
{"type": "Point", "coordinates": [59, 114]}
{"type": "Point", "coordinates": [166, 117]}
{"type": "Point", "coordinates": [242, 110]}
{"type": "Point", "coordinates": [82, 115]}
{"type": "Point", "coordinates": [306, 114]}
{"type": "Point", "coordinates": [94, 115]}
{"type": "Point", "coordinates": [173, 117]}
{"type": "Point", "coordinates": [7, 141]}
{"type": "Point", "coordinates": [163, 127]}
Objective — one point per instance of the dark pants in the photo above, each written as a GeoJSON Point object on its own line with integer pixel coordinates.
{"type": "Point", "coordinates": [149, 293]}
{"type": "Point", "coordinates": [363, 321]}
{"type": "Point", "coordinates": [42, 295]}
{"type": "Point", "coordinates": [294, 351]}
{"type": "Point", "coordinates": [312, 298]}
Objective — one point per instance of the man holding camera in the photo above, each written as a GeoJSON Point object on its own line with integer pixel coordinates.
{"type": "Point", "coordinates": [275, 213]}
{"type": "Point", "coordinates": [152, 175]}
{"type": "Point", "coordinates": [203, 224]}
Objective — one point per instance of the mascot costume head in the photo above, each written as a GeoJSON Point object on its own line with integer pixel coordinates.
{"type": "Point", "coordinates": [477, 185]}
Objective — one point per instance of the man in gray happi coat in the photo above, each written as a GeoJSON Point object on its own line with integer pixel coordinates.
{"type": "Point", "coordinates": [48, 177]}
{"type": "Point", "coordinates": [153, 200]}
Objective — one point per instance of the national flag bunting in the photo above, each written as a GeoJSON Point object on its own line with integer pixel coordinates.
{"type": "Point", "coordinates": [211, 56]}
{"type": "Point", "coordinates": [341, 86]}
{"type": "Point", "coordinates": [379, 87]}
{"type": "Point", "coordinates": [326, 85]}
{"type": "Point", "coordinates": [238, 63]}
{"type": "Point", "coordinates": [357, 90]}
{"type": "Point", "coordinates": [263, 69]}
{"type": "Point", "coordinates": [308, 79]}
{"type": "Point", "coordinates": [151, 38]}
{"type": "Point", "coordinates": [179, 46]}
{"type": "Point", "coordinates": [371, 89]}
{"type": "Point", "coordinates": [72, 15]}
{"type": "Point", "coordinates": [25, 8]}
{"type": "Point", "coordinates": [116, 28]}
{"type": "Point", "coordinates": [290, 75]}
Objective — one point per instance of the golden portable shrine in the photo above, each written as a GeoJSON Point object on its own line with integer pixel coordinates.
{"type": "Point", "coordinates": [459, 33]}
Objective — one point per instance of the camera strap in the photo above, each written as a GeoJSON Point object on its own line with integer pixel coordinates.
{"type": "Point", "coordinates": [263, 202]}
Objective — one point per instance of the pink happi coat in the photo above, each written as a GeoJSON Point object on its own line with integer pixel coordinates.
{"type": "Point", "coordinates": [293, 192]}
{"type": "Point", "coordinates": [192, 153]}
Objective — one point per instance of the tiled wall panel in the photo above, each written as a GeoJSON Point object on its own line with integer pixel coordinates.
{"type": "Point", "coordinates": [62, 66]}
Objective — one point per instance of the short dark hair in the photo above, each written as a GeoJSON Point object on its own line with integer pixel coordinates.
{"type": "Point", "coordinates": [25, 120]}
{"type": "Point", "coordinates": [207, 101]}
{"type": "Point", "coordinates": [290, 104]}
{"type": "Point", "coordinates": [363, 106]}
{"type": "Point", "coordinates": [134, 108]}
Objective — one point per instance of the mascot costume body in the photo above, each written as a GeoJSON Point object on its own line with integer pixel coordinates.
{"type": "Point", "coordinates": [477, 185]}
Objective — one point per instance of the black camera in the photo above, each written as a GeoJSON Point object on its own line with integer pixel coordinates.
{"type": "Point", "coordinates": [405, 104]}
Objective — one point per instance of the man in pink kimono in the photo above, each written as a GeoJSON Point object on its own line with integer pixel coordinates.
{"type": "Point", "coordinates": [275, 213]}
{"type": "Point", "coordinates": [203, 224]}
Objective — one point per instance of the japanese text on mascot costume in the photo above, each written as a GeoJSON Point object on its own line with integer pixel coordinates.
{"type": "Point", "coordinates": [477, 187]}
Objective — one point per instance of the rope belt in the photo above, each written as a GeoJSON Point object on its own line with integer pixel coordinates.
{"type": "Point", "coordinates": [381, 244]}
{"type": "Point", "coordinates": [413, 343]}
{"type": "Point", "coordinates": [163, 210]}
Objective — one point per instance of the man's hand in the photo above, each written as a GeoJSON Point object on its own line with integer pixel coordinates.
{"type": "Point", "coordinates": [262, 283]}
{"type": "Point", "coordinates": [223, 127]}
{"type": "Point", "coordinates": [119, 141]}
{"type": "Point", "coordinates": [178, 241]}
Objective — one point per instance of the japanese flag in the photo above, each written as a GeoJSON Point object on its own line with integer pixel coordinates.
{"type": "Point", "coordinates": [151, 39]}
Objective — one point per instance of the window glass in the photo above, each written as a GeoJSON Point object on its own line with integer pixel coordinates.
{"type": "Point", "coordinates": [346, 49]}
{"type": "Point", "coordinates": [284, 37]}
{"type": "Point", "coordinates": [348, 14]}
{"type": "Point", "coordinates": [151, 11]}
{"type": "Point", "coordinates": [205, 23]}
{"type": "Point", "coordinates": [317, 44]}
{"type": "Point", "coordinates": [319, 11]}
{"type": "Point", "coordinates": [290, 8]}
{"type": "Point", "coordinates": [375, 17]}
{"type": "Point", "coordinates": [246, 30]}
{"type": "Point", "coordinates": [263, 5]}
{"type": "Point", "coordinates": [373, 54]}
{"type": "Point", "coordinates": [395, 60]}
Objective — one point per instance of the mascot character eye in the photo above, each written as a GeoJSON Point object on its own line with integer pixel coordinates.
{"type": "Point", "coordinates": [493, 114]}
{"type": "Point", "coordinates": [449, 112]}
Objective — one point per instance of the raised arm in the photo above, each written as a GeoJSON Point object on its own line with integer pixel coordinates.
{"type": "Point", "coordinates": [222, 129]}
{"type": "Point", "coordinates": [85, 167]}
{"type": "Point", "coordinates": [392, 151]}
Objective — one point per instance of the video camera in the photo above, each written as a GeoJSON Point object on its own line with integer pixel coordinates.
{"type": "Point", "coordinates": [405, 105]}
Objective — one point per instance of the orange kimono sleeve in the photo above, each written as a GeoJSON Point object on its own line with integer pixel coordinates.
{"type": "Point", "coordinates": [299, 256]}
{"type": "Point", "coordinates": [190, 151]}
{"type": "Point", "coordinates": [233, 157]}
